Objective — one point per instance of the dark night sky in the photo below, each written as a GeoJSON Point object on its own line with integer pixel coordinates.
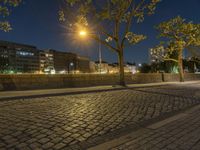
{"type": "Point", "coordinates": [36, 23]}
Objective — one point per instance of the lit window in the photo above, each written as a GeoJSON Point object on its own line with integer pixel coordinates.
{"type": "Point", "coordinates": [24, 53]}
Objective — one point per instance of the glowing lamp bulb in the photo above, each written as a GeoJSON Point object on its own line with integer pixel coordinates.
{"type": "Point", "coordinates": [82, 33]}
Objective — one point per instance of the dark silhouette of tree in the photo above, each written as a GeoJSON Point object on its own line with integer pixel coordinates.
{"type": "Point", "coordinates": [5, 10]}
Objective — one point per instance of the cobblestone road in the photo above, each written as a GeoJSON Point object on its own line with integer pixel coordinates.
{"type": "Point", "coordinates": [182, 134]}
{"type": "Point", "coordinates": [83, 120]}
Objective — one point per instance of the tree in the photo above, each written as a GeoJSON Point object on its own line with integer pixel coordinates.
{"type": "Point", "coordinates": [5, 10]}
{"type": "Point", "coordinates": [179, 35]}
{"type": "Point", "coordinates": [164, 59]}
{"type": "Point", "coordinates": [113, 19]}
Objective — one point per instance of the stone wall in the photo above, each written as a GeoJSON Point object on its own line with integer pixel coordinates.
{"type": "Point", "coordinates": [33, 81]}
{"type": "Point", "coordinates": [170, 77]}
{"type": "Point", "coordinates": [175, 77]}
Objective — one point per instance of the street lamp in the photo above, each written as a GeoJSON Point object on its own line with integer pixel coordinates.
{"type": "Point", "coordinates": [84, 33]}
{"type": "Point", "coordinates": [100, 54]}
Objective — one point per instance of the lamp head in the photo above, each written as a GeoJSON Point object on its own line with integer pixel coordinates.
{"type": "Point", "coordinates": [82, 33]}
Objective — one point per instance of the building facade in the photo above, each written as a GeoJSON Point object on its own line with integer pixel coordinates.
{"type": "Point", "coordinates": [46, 62]}
{"type": "Point", "coordinates": [93, 67]}
{"type": "Point", "coordinates": [21, 58]}
{"type": "Point", "coordinates": [83, 64]}
{"type": "Point", "coordinates": [18, 58]}
{"type": "Point", "coordinates": [102, 67]}
{"type": "Point", "coordinates": [63, 62]}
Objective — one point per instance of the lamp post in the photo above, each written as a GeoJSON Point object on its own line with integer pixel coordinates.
{"type": "Point", "coordinates": [83, 33]}
{"type": "Point", "coordinates": [100, 55]}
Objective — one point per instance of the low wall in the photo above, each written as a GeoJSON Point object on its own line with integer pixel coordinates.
{"type": "Point", "coordinates": [175, 77]}
{"type": "Point", "coordinates": [33, 81]}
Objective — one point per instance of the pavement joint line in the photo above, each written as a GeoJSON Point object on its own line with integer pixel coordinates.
{"type": "Point", "coordinates": [128, 137]}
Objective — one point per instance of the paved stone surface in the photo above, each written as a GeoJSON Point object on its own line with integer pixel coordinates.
{"type": "Point", "coordinates": [182, 134]}
{"type": "Point", "coordinates": [188, 90]}
{"type": "Point", "coordinates": [76, 121]}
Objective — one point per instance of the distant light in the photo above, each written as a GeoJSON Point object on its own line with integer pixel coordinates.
{"type": "Point", "coordinates": [11, 71]}
{"type": "Point", "coordinates": [53, 72]}
{"type": "Point", "coordinates": [140, 65]}
{"type": "Point", "coordinates": [103, 72]}
{"type": "Point", "coordinates": [71, 64]}
{"type": "Point", "coordinates": [62, 72]}
{"type": "Point", "coordinates": [137, 71]}
{"type": "Point", "coordinates": [77, 71]}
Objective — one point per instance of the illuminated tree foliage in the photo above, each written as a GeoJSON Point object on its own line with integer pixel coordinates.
{"type": "Point", "coordinates": [5, 11]}
{"type": "Point", "coordinates": [179, 35]}
{"type": "Point", "coordinates": [112, 19]}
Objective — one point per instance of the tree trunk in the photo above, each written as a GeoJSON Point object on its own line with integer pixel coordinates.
{"type": "Point", "coordinates": [121, 68]}
{"type": "Point", "coordinates": [180, 65]}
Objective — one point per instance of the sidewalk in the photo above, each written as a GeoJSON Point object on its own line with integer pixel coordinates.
{"type": "Point", "coordinates": [180, 132]}
{"type": "Point", "coordinates": [6, 95]}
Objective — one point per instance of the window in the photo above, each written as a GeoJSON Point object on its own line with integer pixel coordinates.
{"type": "Point", "coordinates": [24, 53]}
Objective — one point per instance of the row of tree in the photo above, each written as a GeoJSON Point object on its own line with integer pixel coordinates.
{"type": "Point", "coordinates": [113, 19]}
{"type": "Point", "coordinates": [191, 65]}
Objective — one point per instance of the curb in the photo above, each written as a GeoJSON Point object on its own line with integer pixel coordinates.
{"type": "Point", "coordinates": [10, 95]}
{"type": "Point", "coordinates": [14, 95]}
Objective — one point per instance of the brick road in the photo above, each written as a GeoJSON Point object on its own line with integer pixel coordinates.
{"type": "Point", "coordinates": [84, 120]}
{"type": "Point", "coordinates": [181, 134]}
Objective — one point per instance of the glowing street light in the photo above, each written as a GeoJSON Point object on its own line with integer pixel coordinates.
{"type": "Point", "coordinates": [82, 33]}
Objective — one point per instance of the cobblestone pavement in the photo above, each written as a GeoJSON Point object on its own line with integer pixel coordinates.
{"type": "Point", "coordinates": [182, 134]}
{"type": "Point", "coordinates": [189, 90]}
{"type": "Point", "coordinates": [82, 120]}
